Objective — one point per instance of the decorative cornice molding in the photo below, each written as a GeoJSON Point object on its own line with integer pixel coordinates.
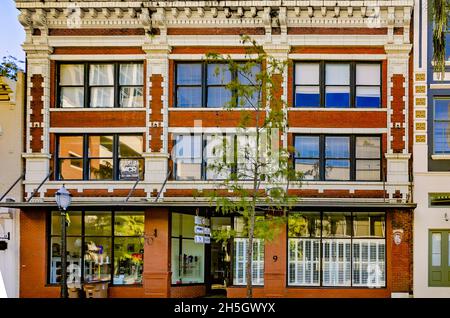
{"type": "Point", "coordinates": [267, 14]}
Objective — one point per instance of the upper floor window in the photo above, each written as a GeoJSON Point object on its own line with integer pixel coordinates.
{"type": "Point", "coordinates": [213, 156]}
{"type": "Point", "coordinates": [441, 126]}
{"type": "Point", "coordinates": [99, 157]}
{"type": "Point", "coordinates": [205, 85]}
{"type": "Point", "coordinates": [337, 84]}
{"type": "Point", "coordinates": [101, 85]}
{"type": "Point", "coordinates": [338, 157]}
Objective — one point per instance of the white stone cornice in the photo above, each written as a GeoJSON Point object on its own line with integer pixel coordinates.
{"type": "Point", "coordinates": [400, 50]}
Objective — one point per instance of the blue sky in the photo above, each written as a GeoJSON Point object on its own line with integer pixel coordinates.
{"type": "Point", "coordinates": [12, 34]}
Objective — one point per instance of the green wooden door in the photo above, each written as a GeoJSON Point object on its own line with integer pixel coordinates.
{"type": "Point", "coordinates": [439, 258]}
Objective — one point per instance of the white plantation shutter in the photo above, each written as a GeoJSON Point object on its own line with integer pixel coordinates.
{"type": "Point", "coordinates": [240, 258]}
{"type": "Point", "coordinates": [368, 262]}
{"type": "Point", "coordinates": [336, 262]}
{"type": "Point", "coordinates": [304, 262]}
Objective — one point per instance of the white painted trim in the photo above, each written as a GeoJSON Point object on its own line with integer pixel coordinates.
{"type": "Point", "coordinates": [363, 57]}
{"type": "Point", "coordinates": [97, 57]}
{"type": "Point", "coordinates": [90, 109]}
{"type": "Point", "coordinates": [206, 130]}
{"type": "Point", "coordinates": [328, 109]}
{"type": "Point", "coordinates": [338, 130]}
{"type": "Point", "coordinates": [439, 86]}
{"type": "Point", "coordinates": [440, 157]}
{"type": "Point", "coordinates": [200, 56]}
{"type": "Point", "coordinates": [97, 130]}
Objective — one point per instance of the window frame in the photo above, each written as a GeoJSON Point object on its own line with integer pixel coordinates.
{"type": "Point", "coordinates": [204, 84]}
{"type": "Point", "coordinates": [434, 99]}
{"type": "Point", "coordinates": [322, 83]}
{"type": "Point", "coordinates": [87, 87]}
{"type": "Point", "coordinates": [86, 158]}
{"type": "Point", "coordinates": [352, 152]}
{"type": "Point", "coordinates": [83, 236]}
{"type": "Point", "coordinates": [321, 237]}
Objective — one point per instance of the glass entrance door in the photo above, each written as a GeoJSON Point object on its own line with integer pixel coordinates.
{"type": "Point", "coordinates": [220, 273]}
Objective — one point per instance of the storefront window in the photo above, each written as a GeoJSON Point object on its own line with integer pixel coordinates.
{"type": "Point", "coordinates": [113, 247]}
{"type": "Point", "coordinates": [188, 257]}
{"type": "Point", "coordinates": [240, 256]}
{"type": "Point", "coordinates": [337, 249]}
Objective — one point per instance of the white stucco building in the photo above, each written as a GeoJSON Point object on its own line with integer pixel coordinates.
{"type": "Point", "coordinates": [11, 127]}
{"type": "Point", "coordinates": [431, 168]}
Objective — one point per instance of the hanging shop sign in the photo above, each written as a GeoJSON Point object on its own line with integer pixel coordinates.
{"type": "Point", "coordinates": [202, 230]}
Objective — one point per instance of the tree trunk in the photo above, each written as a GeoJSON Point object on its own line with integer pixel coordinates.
{"type": "Point", "coordinates": [248, 264]}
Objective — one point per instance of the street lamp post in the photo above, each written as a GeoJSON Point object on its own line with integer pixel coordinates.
{"type": "Point", "coordinates": [63, 200]}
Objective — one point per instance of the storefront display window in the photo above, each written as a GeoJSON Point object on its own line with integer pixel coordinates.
{"type": "Point", "coordinates": [113, 247]}
{"type": "Point", "coordinates": [188, 257]}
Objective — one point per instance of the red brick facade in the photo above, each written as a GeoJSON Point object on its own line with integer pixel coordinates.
{"type": "Point", "coordinates": [36, 115]}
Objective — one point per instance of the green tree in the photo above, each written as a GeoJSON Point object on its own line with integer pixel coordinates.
{"type": "Point", "coordinates": [256, 173]}
{"type": "Point", "coordinates": [10, 66]}
{"type": "Point", "coordinates": [439, 16]}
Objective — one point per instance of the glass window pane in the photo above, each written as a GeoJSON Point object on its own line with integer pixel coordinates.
{"type": "Point", "coordinates": [304, 224]}
{"type": "Point", "coordinates": [102, 97]}
{"type": "Point", "coordinates": [189, 74]}
{"type": "Point", "coordinates": [436, 249]}
{"type": "Point", "coordinates": [337, 74]}
{"type": "Point", "coordinates": [130, 146]}
{"type": "Point", "coordinates": [74, 228]}
{"type": "Point", "coordinates": [337, 96]}
{"type": "Point", "coordinates": [72, 97]}
{"type": "Point", "coordinates": [101, 74]}
{"type": "Point", "coordinates": [128, 260]}
{"type": "Point", "coordinates": [368, 96]}
{"type": "Point", "coordinates": [251, 97]}
{"type": "Point", "coordinates": [337, 170]}
{"type": "Point", "coordinates": [191, 262]}
{"type": "Point", "coordinates": [441, 109]}
{"type": "Point", "coordinates": [70, 169]}
{"type": "Point", "coordinates": [218, 96]}
{"type": "Point", "coordinates": [367, 74]}
{"type": "Point", "coordinates": [337, 147]}
{"type": "Point", "coordinates": [307, 73]}
{"type": "Point", "coordinates": [369, 267]}
{"type": "Point", "coordinates": [97, 259]}
{"type": "Point", "coordinates": [101, 169]}
{"type": "Point", "coordinates": [73, 248]}
{"type": "Point", "coordinates": [131, 97]}
{"type": "Point", "coordinates": [309, 167]}
{"type": "Point", "coordinates": [71, 74]}
{"type": "Point", "coordinates": [218, 74]}
{"type": "Point", "coordinates": [337, 224]}
{"type": "Point", "coordinates": [368, 147]}
{"type": "Point", "coordinates": [97, 223]}
{"type": "Point", "coordinates": [307, 96]}
{"type": "Point", "coordinates": [368, 170]}
{"type": "Point", "coordinates": [336, 262]}
{"type": "Point", "coordinates": [188, 146]}
{"type": "Point", "coordinates": [131, 74]}
{"type": "Point", "coordinates": [248, 74]}
{"type": "Point", "coordinates": [307, 146]}
{"type": "Point", "coordinates": [304, 262]}
{"type": "Point", "coordinates": [189, 97]}
{"type": "Point", "coordinates": [369, 224]}
{"type": "Point", "coordinates": [101, 146]}
{"type": "Point", "coordinates": [129, 223]}
{"type": "Point", "coordinates": [71, 146]}
{"type": "Point", "coordinates": [441, 137]}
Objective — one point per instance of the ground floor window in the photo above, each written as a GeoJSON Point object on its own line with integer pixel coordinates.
{"type": "Point", "coordinates": [336, 249]}
{"type": "Point", "coordinates": [439, 258]}
{"type": "Point", "coordinates": [101, 246]}
{"type": "Point", "coordinates": [188, 257]}
{"type": "Point", "coordinates": [240, 260]}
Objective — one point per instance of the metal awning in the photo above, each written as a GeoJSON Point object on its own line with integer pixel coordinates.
{"type": "Point", "coordinates": [324, 204]}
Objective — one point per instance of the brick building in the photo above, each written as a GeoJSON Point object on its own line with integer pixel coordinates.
{"type": "Point", "coordinates": [121, 87]}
